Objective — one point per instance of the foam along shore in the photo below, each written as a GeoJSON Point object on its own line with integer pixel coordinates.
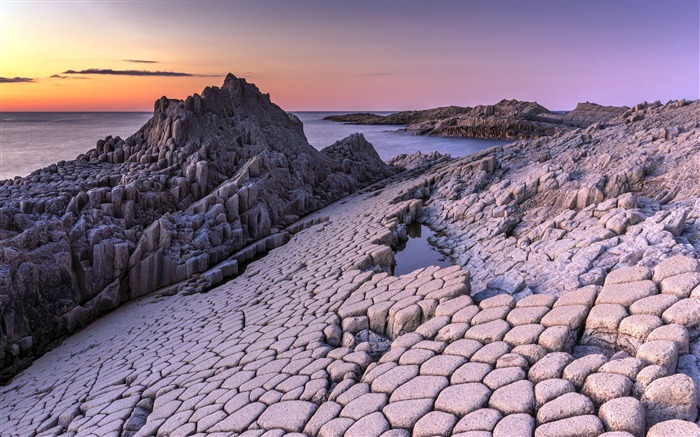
{"type": "Point", "coordinates": [574, 308]}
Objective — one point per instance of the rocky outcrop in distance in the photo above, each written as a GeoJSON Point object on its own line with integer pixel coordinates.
{"type": "Point", "coordinates": [399, 118]}
{"type": "Point", "coordinates": [507, 119]}
{"type": "Point", "coordinates": [208, 181]}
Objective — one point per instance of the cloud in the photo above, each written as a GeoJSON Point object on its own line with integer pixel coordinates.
{"type": "Point", "coordinates": [16, 79]}
{"type": "Point", "coordinates": [140, 61]}
{"type": "Point", "coordinates": [58, 76]}
{"type": "Point", "coordinates": [130, 72]}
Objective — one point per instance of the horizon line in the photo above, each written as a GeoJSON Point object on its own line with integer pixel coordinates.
{"type": "Point", "coordinates": [285, 110]}
{"type": "Point", "coordinates": [352, 110]}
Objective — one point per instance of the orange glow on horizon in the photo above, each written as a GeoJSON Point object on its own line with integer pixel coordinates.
{"type": "Point", "coordinates": [349, 56]}
{"type": "Point", "coordinates": [97, 94]}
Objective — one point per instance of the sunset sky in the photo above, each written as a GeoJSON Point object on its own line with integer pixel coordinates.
{"type": "Point", "coordinates": [361, 55]}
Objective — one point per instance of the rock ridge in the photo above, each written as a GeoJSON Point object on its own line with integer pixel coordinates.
{"type": "Point", "coordinates": [507, 119]}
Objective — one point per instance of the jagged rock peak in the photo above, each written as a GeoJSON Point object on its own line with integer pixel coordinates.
{"type": "Point", "coordinates": [238, 91]}
{"type": "Point", "coordinates": [355, 144]}
{"type": "Point", "coordinates": [234, 115]}
{"type": "Point", "coordinates": [234, 92]}
{"type": "Point", "coordinates": [231, 79]}
{"type": "Point", "coordinates": [356, 156]}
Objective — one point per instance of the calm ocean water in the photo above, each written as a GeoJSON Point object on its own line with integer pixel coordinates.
{"type": "Point", "coordinates": [32, 140]}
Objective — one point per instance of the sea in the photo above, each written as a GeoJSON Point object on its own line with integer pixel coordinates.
{"type": "Point", "coordinates": [33, 140]}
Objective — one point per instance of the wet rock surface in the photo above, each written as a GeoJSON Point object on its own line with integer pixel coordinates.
{"type": "Point", "coordinates": [553, 324]}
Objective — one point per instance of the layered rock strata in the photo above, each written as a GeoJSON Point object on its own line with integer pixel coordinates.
{"type": "Point", "coordinates": [403, 117]}
{"type": "Point", "coordinates": [205, 178]}
{"type": "Point", "coordinates": [551, 215]}
{"type": "Point", "coordinates": [507, 119]}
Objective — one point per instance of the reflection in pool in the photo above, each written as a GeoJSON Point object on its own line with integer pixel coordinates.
{"type": "Point", "coordinates": [417, 252]}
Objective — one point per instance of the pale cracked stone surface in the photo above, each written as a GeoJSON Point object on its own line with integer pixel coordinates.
{"type": "Point", "coordinates": [518, 397]}
{"type": "Point", "coordinates": [623, 414]}
{"type": "Point", "coordinates": [484, 419]}
{"type": "Point", "coordinates": [671, 397]}
{"type": "Point", "coordinates": [674, 427]}
{"type": "Point", "coordinates": [550, 389]}
{"type": "Point", "coordinates": [584, 426]}
{"type": "Point", "coordinates": [462, 399]}
{"type": "Point", "coordinates": [566, 405]}
{"type": "Point", "coordinates": [602, 387]}
{"type": "Point", "coordinates": [567, 313]}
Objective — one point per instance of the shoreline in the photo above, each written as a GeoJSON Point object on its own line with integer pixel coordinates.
{"type": "Point", "coordinates": [74, 133]}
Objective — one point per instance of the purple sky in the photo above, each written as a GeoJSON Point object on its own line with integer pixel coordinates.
{"type": "Point", "coordinates": [334, 55]}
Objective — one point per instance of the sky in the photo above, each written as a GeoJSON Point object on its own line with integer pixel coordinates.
{"type": "Point", "coordinates": [356, 55]}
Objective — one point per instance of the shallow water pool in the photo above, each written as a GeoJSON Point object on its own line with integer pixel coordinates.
{"type": "Point", "coordinates": [417, 252]}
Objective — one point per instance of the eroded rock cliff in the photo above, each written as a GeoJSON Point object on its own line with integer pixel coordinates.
{"type": "Point", "coordinates": [204, 178]}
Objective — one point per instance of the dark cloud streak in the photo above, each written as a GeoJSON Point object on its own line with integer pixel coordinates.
{"type": "Point", "coordinates": [110, 72]}
{"type": "Point", "coordinates": [16, 80]}
{"type": "Point", "coordinates": [129, 72]}
{"type": "Point", "coordinates": [140, 61]}
{"type": "Point", "coordinates": [58, 76]}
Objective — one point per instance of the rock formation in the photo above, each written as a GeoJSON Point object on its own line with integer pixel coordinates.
{"type": "Point", "coordinates": [586, 114]}
{"type": "Point", "coordinates": [553, 214]}
{"type": "Point", "coordinates": [507, 119]}
{"type": "Point", "coordinates": [204, 178]}
{"type": "Point", "coordinates": [417, 159]}
{"type": "Point", "coordinates": [403, 117]}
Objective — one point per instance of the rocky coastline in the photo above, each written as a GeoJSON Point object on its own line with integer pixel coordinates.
{"type": "Point", "coordinates": [506, 120]}
{"type": "Point", "coordinates": [203, 180]}
{"type": "Point", "coordinates": [248, 288]}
